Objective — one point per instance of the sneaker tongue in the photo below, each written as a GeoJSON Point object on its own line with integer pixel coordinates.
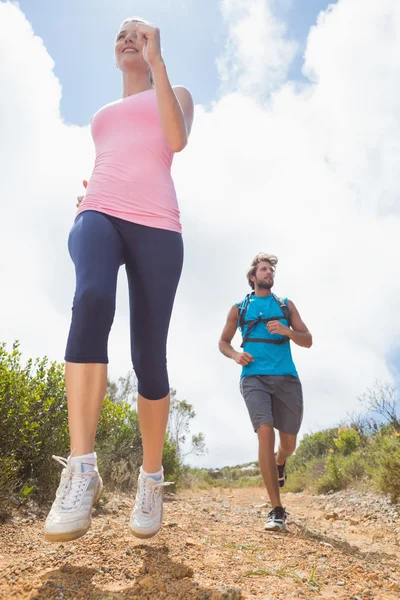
{"type": "Point", "coordinates": [81, 467]}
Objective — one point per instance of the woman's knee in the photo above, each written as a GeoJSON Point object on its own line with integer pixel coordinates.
{"type": "Point", "coordinates": [94, 302]}
{"type": "Point", "coordinates": [152, 376]}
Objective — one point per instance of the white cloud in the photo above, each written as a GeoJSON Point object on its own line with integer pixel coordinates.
{"type": "Point", "coordinates": [309, 172]}
{"type": "Point", "coordinates": [257, 54]}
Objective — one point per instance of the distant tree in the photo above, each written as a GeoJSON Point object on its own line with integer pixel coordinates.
{"type": "Point", "coordinates": [180, 417]}
{"type": "Point", "coordinates": [383, 400]}
{"type": "Point", "coordinates": [123, 390]}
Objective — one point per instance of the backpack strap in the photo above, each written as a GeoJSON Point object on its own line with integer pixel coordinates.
{"type": "Point", "coordinates": [243, 311]}
{"type": "Point", "coordinates": [284, 308]}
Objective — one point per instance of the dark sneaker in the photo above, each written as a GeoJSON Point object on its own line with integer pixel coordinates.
{"type": "Point", "coordinates": [276, 520]}
{"type": "Point", "coordinates": [282, 475]}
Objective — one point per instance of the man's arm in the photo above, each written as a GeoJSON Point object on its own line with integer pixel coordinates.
{"type": "Point", "coordinates": [297, 332]}
{"type": "Point", "coordinates": [225, 346]}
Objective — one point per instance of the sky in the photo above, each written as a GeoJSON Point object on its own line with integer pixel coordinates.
{"type": "Point", "coordinates": [295, 151]}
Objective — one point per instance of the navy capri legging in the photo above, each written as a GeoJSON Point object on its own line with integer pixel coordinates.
{"type": "Point", "coordinates": [99, 244]}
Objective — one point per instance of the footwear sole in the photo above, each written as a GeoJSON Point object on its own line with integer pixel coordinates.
{"type": "Point", "coordinates": [65, 537]}
{"type": "Point", "coordinates": [275, 529]}
{"type": "Point", "coordinates": [143, 536]}
{"type": "Point", "coordinates": [73, 535]}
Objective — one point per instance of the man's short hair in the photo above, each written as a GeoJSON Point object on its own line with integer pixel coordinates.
{"type": "Point", "coordinates": [261, 257]}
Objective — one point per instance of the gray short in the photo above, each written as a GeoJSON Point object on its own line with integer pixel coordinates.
{"type": "Point", "coordinates": [274, 399]}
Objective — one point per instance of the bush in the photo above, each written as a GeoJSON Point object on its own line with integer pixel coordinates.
{"type": "Point", "coordinates": [171, 463]}
{"type": "Point", "coordinates": [33, 418]}
{"type": "Point", "coordinates": [315, 445]}
{"type": "Point", "coordinates": [9, 468]}
{"type": "Point", "coordinates": [386, 468]}
{"type": "Point", "coordinates": [347, 440]}
{"type": "Point", "coordinates": [118, 445]}
{"type": "Point", "coordinates": [354, 467]}
{"type": "Point", "coordinates": [34, 426]}
{"type": "Point", "coordinates": [332, 478]}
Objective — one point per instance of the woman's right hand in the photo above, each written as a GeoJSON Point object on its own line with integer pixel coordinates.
{"type": "Point", "coordinates": [80, 198]}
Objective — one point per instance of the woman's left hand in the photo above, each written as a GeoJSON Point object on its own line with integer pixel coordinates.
{"type": "Point", "coordinates": [150, 38]}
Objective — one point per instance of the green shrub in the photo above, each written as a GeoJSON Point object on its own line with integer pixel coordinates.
{"type": "Point", "coordinates": [171, 462]}
{"type": "Point", "coordinates": [34, 426]}
{"type": "Point", "coordinates": [347, 440]}
{"type": "Point", "coordinates": [386, 467]}
{"type": "Point", "coordinates": [354, 467]}
{"type": "Point", "coordinates": [9, 483]}
{"type": "Point", "coordinates": [315, 445]}
{"type": "Point", "coordinates": [331, 480]}
{"type": "Point", "coordinates": [297, 482]}
{"type": "Point", "coordinates": [119, 445]}
{"type": "Point", "coordinates": [33, 418]}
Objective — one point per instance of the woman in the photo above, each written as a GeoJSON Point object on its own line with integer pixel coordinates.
{"type": "Point", "coordinates": [129, 215]}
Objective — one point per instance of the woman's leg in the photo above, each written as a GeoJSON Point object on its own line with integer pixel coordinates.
{"type": "Point", "coordinates": [96, 249]}
{"type": "Point", "coordinates": [97, 252]}
{"type": "Point", "coordinates": [154, 265]}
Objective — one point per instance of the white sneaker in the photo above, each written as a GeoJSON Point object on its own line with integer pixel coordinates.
{"type": "Point", "coordinates": [71, 513]}
{"type": "Point", "coordinates": [147, 514]}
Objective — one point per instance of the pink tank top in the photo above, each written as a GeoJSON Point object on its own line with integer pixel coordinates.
{"type": "Point", "coordinates": [131, 178]}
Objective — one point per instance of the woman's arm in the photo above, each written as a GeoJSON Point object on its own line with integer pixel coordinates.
{"type": "Point", "coordinates": [175, 105]}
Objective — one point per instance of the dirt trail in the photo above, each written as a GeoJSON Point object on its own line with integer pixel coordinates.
{"type": "Point", "coordinates": [213, 547]}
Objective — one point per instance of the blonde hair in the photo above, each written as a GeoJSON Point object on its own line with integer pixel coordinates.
{"type": "Point", "coordinates": [261, 257]}
{"type": "Point", "coordinates": [138, 20]}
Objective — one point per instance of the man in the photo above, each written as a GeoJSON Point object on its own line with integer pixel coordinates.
{"type": "Point", "coordinates": [269, 382]}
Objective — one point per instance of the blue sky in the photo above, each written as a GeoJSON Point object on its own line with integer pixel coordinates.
{"type": "Point", "coordinates": [79, 37]}
{"type": "Point", "coordinates": [311, 167]}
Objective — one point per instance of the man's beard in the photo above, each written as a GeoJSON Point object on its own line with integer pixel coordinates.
{"type": "Point", "coordinates": [265, 285]}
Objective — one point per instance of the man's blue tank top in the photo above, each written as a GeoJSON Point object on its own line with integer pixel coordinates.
{"type": "Point", "coordinates": [269, 359]}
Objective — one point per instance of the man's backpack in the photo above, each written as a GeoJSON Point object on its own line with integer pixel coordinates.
{"type": "Point", "coordinates": [254, 322]}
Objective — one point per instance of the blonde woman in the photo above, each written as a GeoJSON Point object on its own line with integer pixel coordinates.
{"type": "Point", "coordinates": [129, 215]}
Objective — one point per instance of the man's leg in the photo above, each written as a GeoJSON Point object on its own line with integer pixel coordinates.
{"type": "Point", "coordinates": [267, 463]}
{"type": "Point", "coordinates": [287, 445]}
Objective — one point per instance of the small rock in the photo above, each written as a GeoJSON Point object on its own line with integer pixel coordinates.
{"type": "Point", "coordinates": [147, 583]}
{"type": "Point", "coordinates": [110, 533]}
{"type": "Point", "coordinates": [180, 571]}
{"type": "Point", "coordinates": [190, 542]}
{"type": "Point", "coordinates": [354, 521]}
{"type": "Point", "coordinates": [332, 516]}
{"type": "Point", "coordinates": [395, 587]}
{"type": "Point", "coordinates": [326, 544]}
{"type": "Point", "coordinates": [341, 583]}
{"type": "Point", "coordinates": [222, 593]}
{"type": "Point", "coordinates": [172, 524]}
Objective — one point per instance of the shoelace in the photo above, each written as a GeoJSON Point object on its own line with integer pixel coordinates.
{"type": "Point", "coordinates": [148, 493]}
{"type": "Point", "coordinates": [277, 515]}
{"type": "Point", "coordinates": [73, 484]}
